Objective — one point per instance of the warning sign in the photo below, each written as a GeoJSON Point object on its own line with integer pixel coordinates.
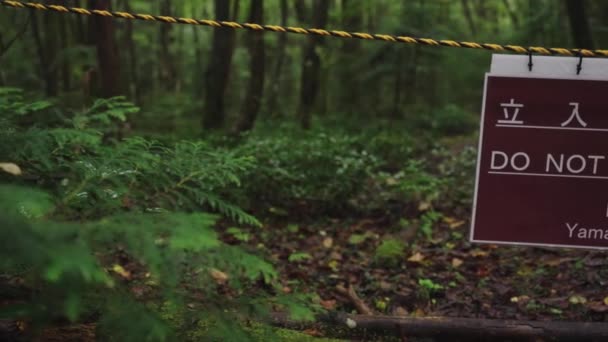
{"type": "Point", "coordinates": [542, 176]}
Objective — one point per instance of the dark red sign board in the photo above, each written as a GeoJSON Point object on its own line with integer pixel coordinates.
{"type": "Point", "coordinates": [542, 175]}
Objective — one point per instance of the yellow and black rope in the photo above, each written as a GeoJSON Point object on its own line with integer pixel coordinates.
{"type": "Point", "coordinates": [539, 50]}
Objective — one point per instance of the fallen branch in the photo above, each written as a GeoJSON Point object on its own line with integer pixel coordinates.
{"type": "Point", "coordinates": [351, 294]}
{"type": "Point", "coordinates": [343, 325]}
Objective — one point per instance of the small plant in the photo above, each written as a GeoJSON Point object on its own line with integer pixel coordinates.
{"type": "Point", "coordinates": [427, 221]}
{"type": "Point", "coordinates": [238, 234]}
{"type": "Point", "coordinates": [297, 257]}
{"type": "Point", "coordinates": [429, 285]}
{"type": "Point", "coordinates": [390, 251]}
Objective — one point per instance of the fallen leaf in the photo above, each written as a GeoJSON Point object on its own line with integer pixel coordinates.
{"type": "Point", "coordinates": [457, 262]}
{"type": "Point", "coordinates": [606, 300]}
{"type": "Point", "coordinates": [384, 285]}
{"type": "Point", "coordinates": [329, 304]}
{"type": "Point", "coordinates": [521, 299]}
{"type": "Point", "coordinates": [11, 168]}
{"type": "Point", "coordinates": [453, 223]}
{"type": "Point", "coordinates": [356, 239]}
{"type": "Point", "coordinates": [121, 271]}
{"type": "Point", "coordinates": [313, 332]}
{"type": "Point", "coordinates": [598, 307]}
{"type": "Point", "coordinates": [424, 206]}
{"type": "Point", "coordinates": [577, 299]}
{"type": "Point", "coordinates": [417, 257]}
{"type": "Point", "coordinates": [333, 265]}
{"type": "Point", "coordinates": [335, 256]}
{"type": "Point", "coordinates": [219, 276]}
{"type": "Point", "coordinates": [328, 242]}
{"type": "Point", "coordinates": [478, 253]}
{"type": "Point", "coordinates": [400, 311]}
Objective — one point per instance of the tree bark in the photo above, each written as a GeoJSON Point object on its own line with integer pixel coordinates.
{"type": "Point", "coordinates": [255, 89]}
{"type": "Point", "coordinates": [311, 65]}
{"type": "Point", "coordinates": [579, 24]}
{"type": "Point", "coordinates": [218, 70]}
{"type": "Point", "coordinates": [107, 51]}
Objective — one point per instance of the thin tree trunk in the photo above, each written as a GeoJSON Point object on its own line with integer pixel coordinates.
{"type": "Point", "coordinates": [168, 71]}
{"type": "Point", "coordinates": [255, 89]}
{"type": "Point", "coordinates": [218, 70]}
{"type": "Point", "coordinates": [311, 66]}
{"type": "Point", "coordinates": [273, 94]}
{"type": "Point", "coordinates": [50, 82]}
{"type": "Point", "coordinates": [579, 24]}
{"type": "Point", "coordinates": [107, 51]}
{"type": "Point", "coordinates": [131, 49]}
{"type": "Point", "coordinates": [63, 37]}
{"type": "Point", "coordinates": [352, 20]}
{"type": "Point", "coordinates": [79, 26]}
{"type": "Point", "coordinates": [466, 8]}
{"type": "Point", "coordinates": [512, 13]}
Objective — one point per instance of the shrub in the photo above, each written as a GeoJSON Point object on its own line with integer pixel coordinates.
{"type": "Point", "coordinates": [322, 170]}
{"type": "Point", "coordinates": [390, 251]}
{"type": "Point", "coordinates": [138, 199]}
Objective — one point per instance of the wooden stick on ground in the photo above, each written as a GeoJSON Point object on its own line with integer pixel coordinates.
{"type": "Point", "coordinates": [342, 325]}
{"type": "Point", "coordinates": [351, 294]}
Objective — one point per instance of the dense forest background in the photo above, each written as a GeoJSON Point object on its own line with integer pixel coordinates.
{"type": "Point", "coordinates": [226, 78]}
{"type": "Point", "coordinates": [178, 182]}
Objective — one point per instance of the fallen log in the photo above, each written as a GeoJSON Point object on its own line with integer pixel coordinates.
{"type": "Point", "coordinates": [448, 328]}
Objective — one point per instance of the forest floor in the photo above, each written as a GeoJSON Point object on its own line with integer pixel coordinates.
{"type": "Point", "coordinates": [441, 276]}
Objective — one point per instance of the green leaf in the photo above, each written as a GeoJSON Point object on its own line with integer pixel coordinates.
{"type": "Point", "coordinates": [295, 257]}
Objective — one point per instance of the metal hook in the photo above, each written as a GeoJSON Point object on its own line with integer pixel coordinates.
{"type": "Point", "coordinates": [530, 64]}
{"type": "Point", "coordinates": [579, 67]}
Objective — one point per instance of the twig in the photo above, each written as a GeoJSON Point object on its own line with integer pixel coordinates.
{"type": "Point", "coordinates": [351, 294]}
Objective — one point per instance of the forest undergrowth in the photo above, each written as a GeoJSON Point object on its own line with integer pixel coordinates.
{"type": "Point", "coordinates": [117, 235]}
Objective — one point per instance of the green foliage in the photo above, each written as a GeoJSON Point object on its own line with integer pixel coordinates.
{"type": "Point", "coordinates": [390, 251]}
{"type": "Point", "coordinates": [136, 197]}
{"type": "Point", "coordinates": [427, 221]}
{"type": "Point", "coordinates": [325, 170]}
{"type": "Point", "coordinates": [91, 175]}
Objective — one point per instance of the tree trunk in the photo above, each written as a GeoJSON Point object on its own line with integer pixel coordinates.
{"type": "Point", "coordinates": [274, 93]}
{"type": "Point", "coordinates": [107, 51]}
{"type": "Point", "coordinates": [311, 65]}
{"type": "Point", "coordinates": [466, 8]}
{"type": "Point", "coordinates": [130, 47]}
{"type": "Point", "coordinates": [255, 89]}
{"type": "Point", "coordinates": [218, 70]}
{"type": "Point", "coordinates": [168, 71]}
{"type": "Point", "coordinates": [49, 77]}
{"type": "Point", "coordinates": [64, 36]}
{"type": "Point", "coordinates": [79, 27]}
{"type": "Point", "coordinates": [348, 77]}
{"type": "Point", "coordinates": [512, 13]}
{"type": "Point", "coordinates": [579, 24]}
